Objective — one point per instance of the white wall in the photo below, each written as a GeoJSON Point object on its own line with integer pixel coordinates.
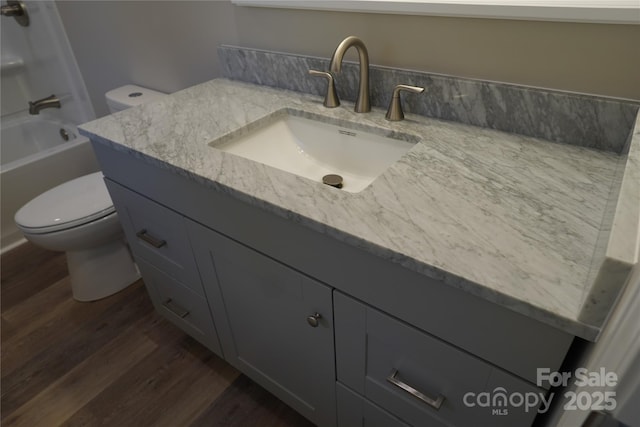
{"type": "Point", "coordinates": [589, 58]}
{"type": "Point", "coordinates": [172, 45]}
{"type": "Point", "coordinates": [162, 45]}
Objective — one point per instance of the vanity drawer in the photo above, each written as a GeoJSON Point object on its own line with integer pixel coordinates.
{"type": "Point", "coordinates": [354, 410]}
{"type": "Point", "coordinates": [157, 235]}
{"type": "Point", "coordinates": [419, 378]}
{"type": "Point", "coordinates": [181, 306]}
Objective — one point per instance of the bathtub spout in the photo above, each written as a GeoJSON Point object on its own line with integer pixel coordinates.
{"type": "Point", "coordinates": [48, 102]}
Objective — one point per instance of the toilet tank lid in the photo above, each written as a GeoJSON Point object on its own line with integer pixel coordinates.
{"type": "Point", "coordinates": [131, 95]}
{"type": "Point", "coordinates": [75, 202]}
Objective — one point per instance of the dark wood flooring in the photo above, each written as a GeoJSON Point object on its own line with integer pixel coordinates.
{"type": "Point", "coordinates": [112, 362]}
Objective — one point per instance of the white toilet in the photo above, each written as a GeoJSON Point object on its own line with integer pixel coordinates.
{"type": "Point", "coordinates": [78, 218]}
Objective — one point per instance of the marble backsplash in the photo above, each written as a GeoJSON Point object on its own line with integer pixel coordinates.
{"type": "Point", "coordinates": [617, 245]}
{"type": "Point", "coordinates": [583, 120]}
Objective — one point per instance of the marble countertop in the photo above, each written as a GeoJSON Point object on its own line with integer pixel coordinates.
{"type": "Point", "coordinates": [511, 219]}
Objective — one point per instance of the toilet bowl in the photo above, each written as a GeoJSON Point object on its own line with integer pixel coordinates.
{"type": "Point", "coordinates": [78, 218]}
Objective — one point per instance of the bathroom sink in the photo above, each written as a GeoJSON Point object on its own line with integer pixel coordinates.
{"type": "Point", "coordinates": [314, 149]}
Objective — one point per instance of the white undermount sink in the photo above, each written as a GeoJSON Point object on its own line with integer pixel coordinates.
{"type": "Point", "coordinates": [312, 149]}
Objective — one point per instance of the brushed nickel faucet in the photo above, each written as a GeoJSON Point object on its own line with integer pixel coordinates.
{"type": "Point", "coordinates": [362, 104]}
{"type": "Point", "coordinates": [48, 102]}
{"type": "Point", "coordinates": [394, 112]}
{"type": "Point", "coordinates": [331, 97]}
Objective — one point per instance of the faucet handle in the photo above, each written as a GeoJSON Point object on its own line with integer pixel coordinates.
{"type": "Point", "coordinates": [331, 98]}
{"type": "Point", "coordinates": [394, 112]}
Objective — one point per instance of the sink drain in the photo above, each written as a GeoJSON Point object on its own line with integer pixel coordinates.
{"type": "Point", "coordinates": [332, 180]}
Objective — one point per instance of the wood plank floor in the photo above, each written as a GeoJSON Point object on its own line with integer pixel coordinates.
{"type": "Point", "coordinates": [112, 362]}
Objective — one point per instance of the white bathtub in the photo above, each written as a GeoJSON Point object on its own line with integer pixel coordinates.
{"type": "Point", "coordinates": [34, 158]}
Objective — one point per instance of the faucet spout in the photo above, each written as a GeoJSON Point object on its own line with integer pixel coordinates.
{"type": "Point", "coordinates": [362, 103]}
{"type": "Point", "coordinates": [48, 102]}
{"type": "Point", "coordinates": [18, 10]}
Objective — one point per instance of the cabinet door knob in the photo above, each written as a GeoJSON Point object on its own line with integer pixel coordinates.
{"type": "Point", "coordinates": [314, 320]}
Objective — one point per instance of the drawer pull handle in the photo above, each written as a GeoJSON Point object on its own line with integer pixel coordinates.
{"type": "Point", "coordinates": [175, 308]}
{"type": "Point", "coordinates": [434, 403]}
{"type": "Point", "coordinates": [156, 243]}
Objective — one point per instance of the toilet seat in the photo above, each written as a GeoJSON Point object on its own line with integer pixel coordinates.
{"type": "Point", "coordinates": [66, 206]}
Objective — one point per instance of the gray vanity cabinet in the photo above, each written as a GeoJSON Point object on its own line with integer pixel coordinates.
{"type": "Point", "coordinates": [271, 295]}
{"type": "Point", "coordinates": [275, 324]}
{"type": "Point", "coordinates": [159, 241]}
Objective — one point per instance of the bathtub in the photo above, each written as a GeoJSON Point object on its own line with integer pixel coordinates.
{"type": "Point", "coordinates": [34, 157]}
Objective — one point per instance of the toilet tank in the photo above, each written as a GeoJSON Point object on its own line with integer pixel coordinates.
{"type": "Point", "coordinates": [129, 96]}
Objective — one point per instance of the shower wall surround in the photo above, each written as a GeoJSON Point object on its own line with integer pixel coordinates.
{"type": "Point", "coordinates": [583, 120]}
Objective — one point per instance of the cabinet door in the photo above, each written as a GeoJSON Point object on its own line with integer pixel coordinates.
{"type": "Point", "coordinates": [264, 313]}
